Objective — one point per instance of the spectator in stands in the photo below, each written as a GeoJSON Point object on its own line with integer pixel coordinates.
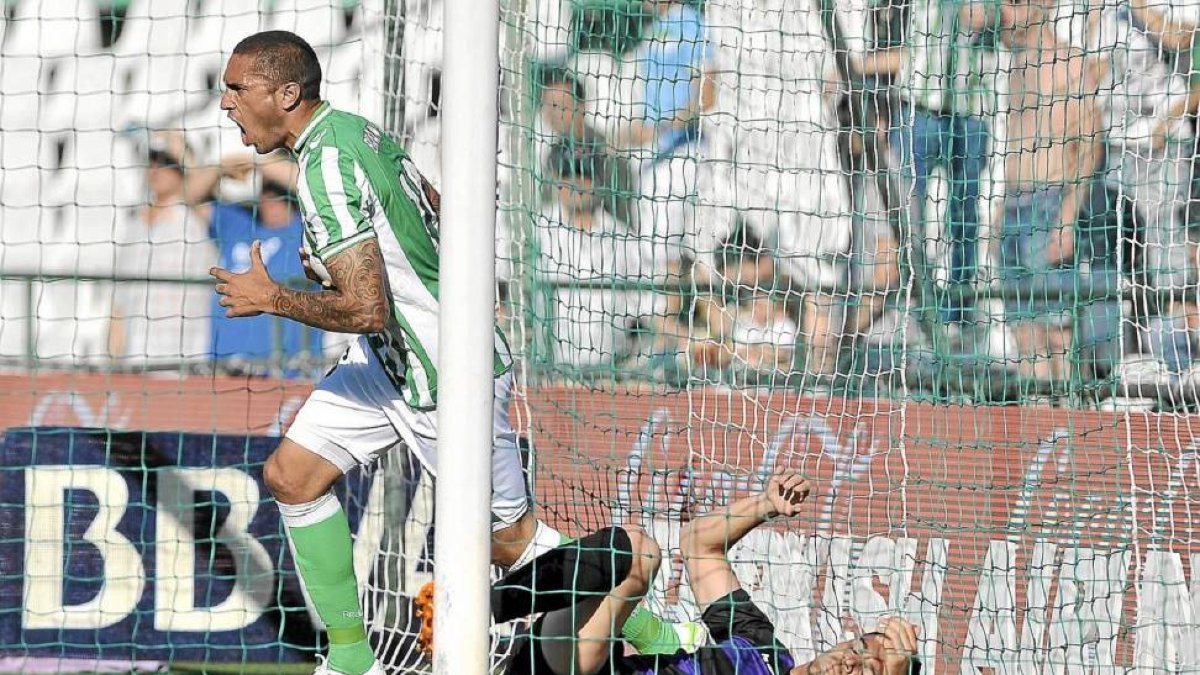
{"type": "Point", "coordinates": [1052, 151]}
{"type": "Point", "coordinates": [771, 162]}
{"type": "Point", "coordinates": [261, 344]}
{"type": "Point", "coordinates": [863, 113]}
{"type": "Point", "coordinates": [752, 332]}
{"type": "Point", "coordinates": [870, 97]}
{"type": "Point", "coordinates": [564, 113]}
{"type": "Point", "coordinates": [1150, 152]}
{"type": "Point", "coordinates": [674, 65]}
{"type": "Point", "coordinates": [587, 257]}
{"type": "Point", "coordinates": [162, 325]}
{"type": "Point", "coordinates": [1180, 39]}
{"type": "Point", "coordinates": [946, 78]}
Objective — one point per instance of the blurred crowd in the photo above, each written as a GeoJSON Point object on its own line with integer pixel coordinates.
{"type": "Point", "coordinates": [774, 193]}
{"type": "Point", "coordinates": [182, 231]}
{"type": "Point", "coordinates": [1010, 190]}
{"type": "Point", "coordinates": [122, 183]}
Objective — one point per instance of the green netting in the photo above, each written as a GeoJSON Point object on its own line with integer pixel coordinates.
{"type": "Point", "coordinates": [937, 255]}
{"type": "Point", "coordinates": [879, 158]}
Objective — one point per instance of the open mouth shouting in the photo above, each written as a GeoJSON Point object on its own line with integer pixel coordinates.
{"type": "Point", "coordinates": [242, 129]}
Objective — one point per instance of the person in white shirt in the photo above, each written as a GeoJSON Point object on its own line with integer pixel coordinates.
{"type": "Point", "coordinates": [592, 264]}
{"type": "Point", "coordinates": [1149, 150]}
{"type": "Point", "coordinates": [751, 316]}
{"type": "Point", "coordinates": [946, 72]}
{"type": "Point", "coordinates": [771, 163]}
{"type": "Point", "coordinates": [163, 324]}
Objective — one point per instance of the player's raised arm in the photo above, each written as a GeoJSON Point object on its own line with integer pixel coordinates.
{"type": "Point", "coordinates": [707, 539]}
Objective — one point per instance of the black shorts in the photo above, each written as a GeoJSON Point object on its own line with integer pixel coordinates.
{"type": "Point", "coordinates": [736, 614]}
{"type": "Point", "coordinates": [595, 560]}
{"type": "Point", "coordinates": [527, 657]}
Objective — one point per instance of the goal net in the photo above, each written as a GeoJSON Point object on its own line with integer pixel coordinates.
{"type": "Point", "coordinates": [937, 256]}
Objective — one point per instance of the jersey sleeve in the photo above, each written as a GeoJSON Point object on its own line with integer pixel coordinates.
{"type": "Point", "coordinates": [330, 190]}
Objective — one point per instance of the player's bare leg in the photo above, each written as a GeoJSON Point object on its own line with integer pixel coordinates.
{"type": "Point", "coordinates": [596, 623]}
{"type": "Point", "coordinates": [295, 475]}
{"type": "Point", "coordinates": [319, 535]}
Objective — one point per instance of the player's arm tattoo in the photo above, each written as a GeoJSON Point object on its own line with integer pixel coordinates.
{"type": "Point", "coordinates": [358, 301]}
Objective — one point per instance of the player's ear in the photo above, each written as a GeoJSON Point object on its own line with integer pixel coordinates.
{"type": "Point", "coordinates": [290, 94]}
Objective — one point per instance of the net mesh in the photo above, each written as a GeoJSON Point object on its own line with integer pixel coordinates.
{"type": "Point", "coordinates": [937, 255]}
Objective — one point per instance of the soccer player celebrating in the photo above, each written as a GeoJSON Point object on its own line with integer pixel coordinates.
{"type": "Point", "coordinates": [585, 591]}
{"type": "Point", "coordinates": [370, 229]}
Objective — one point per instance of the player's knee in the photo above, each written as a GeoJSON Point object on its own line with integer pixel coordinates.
{"type": "Point", "coordinates": [275, 477]}
{"type": "Point", "coordinates": [295, 475]}
{"type": "Point", "coordinates": [286, 484]}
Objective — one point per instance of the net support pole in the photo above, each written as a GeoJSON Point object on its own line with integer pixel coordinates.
{"type": "Point", "coordinates": [470, 81]}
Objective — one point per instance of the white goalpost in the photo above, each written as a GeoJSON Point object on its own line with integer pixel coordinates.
{"type": "Point", "coordinates": [470, 84]}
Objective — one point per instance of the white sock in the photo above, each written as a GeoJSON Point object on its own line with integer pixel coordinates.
{"type": "Point", "coordinates": [544, 538]}
{"type": "Point", "coordinates": [310, 513]}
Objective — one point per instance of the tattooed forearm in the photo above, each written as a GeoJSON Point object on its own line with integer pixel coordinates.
{"type": "Point", "coordinates": [358, 302]}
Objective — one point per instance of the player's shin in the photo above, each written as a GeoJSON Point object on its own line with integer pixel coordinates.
{"type": "Point", "coordinates": [320, 537]}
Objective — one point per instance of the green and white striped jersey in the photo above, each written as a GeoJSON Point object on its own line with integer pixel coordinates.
{"type": "Point", "coordinates": [355, 184]}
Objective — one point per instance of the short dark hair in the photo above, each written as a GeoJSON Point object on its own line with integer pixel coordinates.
{"type": "Point", "coordinates": [551, 75]}
{"type": "Point", "coordinates": [275, 190]}
{"type": "Point", "coordinates": [164, 160]}
{"type": "Point", "coordinates": [285, 57]}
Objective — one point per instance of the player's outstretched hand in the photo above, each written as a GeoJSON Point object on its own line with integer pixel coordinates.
{"type": "Point", "coordinates": [899, 645]}
{"type": "Point", "coordinates": [247, 294]}
{"type": "Point", "coordinates": [786, 491]}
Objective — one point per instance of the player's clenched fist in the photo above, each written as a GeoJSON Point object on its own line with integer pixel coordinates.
{"type": "Point", "coordinates": [786, 491]}
{"type": "Point", "coordinates": [898, 645]}
{"type": "Point", "coordinates": [247, 294]}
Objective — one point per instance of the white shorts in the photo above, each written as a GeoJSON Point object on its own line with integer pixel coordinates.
{"type": "Point", "coordinates": [355, 415]}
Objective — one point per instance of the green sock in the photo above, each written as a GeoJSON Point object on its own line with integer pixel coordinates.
{"type": "Point", "coordinates": [320, 538]}
{"type": "Point", "coordinates": [651, 634]}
